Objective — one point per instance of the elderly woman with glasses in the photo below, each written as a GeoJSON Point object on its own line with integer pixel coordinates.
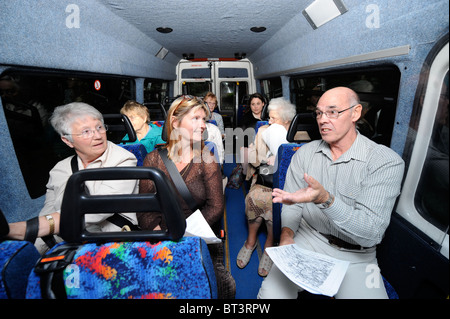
{"type": "Point", "coordinates": [258, 202]}
{"type": "Point", "coordinates": [81, 127]}
{"type": "Point", "coordinates": [185, 124]}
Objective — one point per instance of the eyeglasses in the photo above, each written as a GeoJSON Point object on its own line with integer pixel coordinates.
{"type": "Point", "coordinates": [188, 98]}
{"type": "Point", "coordinates": [86, 134]}
{"type": "Point", "coordinates": [331, 114]}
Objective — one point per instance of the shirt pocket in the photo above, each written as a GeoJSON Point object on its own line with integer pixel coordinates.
{"type": "Point", "coordinates": [348, 193]}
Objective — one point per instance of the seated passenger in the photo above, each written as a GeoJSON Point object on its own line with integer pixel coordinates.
{"type": "Point", "coordinates": [338, 199]}
{"type": "Point", "coordinates": [200, 171]}
{"type": "Point", "coordinates": [147, 134]}
{"type": "Point", "coordinates": [258, 202]}
{"type": "Point", "coordinates": [215, 136]}
{"type": "Point", "coordinates": [81, 128]}
{"type": "Point", "coordinates": [249, 120]}
{"type": "Point", "coordinates": [210, 100]}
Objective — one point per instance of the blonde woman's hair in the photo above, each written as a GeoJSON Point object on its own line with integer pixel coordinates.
{"type": "Point", "coordinates": [177, 111]}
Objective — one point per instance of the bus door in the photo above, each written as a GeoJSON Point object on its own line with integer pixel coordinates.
{"type": "Point", "coordinates": [232, 93]}
{"type": "Point", "coordinates": [234, 82]}
{"type": "Point", "coordinates": [231, 80]}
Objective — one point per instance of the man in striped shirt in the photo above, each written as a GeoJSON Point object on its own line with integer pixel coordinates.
{"type": "Point", "coordinates": [338, 198]}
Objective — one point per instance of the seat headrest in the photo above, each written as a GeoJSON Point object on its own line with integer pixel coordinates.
{"type": "Point", "coordinates": [303, 128]}
{"type": "Point", "coordinates": [118, 126]}
{"type": "Point", "coordinates": [77, 203]}
{"type": "Point", "coordinates": [156, 111]}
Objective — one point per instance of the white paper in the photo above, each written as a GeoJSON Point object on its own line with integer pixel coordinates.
{"type": "Point", "coordinates": [316, 273]}
{"type": "Point", "coordinates": [197, 226]}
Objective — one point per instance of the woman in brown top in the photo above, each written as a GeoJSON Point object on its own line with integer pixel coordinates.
{"type": "Point", "coordinates": [199, 169]}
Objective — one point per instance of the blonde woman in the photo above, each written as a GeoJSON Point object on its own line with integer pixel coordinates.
{"type": "Point", "coordinates": [185, 124]}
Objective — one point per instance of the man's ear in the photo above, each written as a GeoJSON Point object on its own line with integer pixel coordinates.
{"type": "Point", "coordinates": [66, 140]}
{"type": "Point", "coordinates": [356, 114]}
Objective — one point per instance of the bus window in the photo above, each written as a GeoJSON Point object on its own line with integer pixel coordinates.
{"type": "Point", "coordinates": [196, 88]}
{"type": "Point", "coordinates": [272, 88]}
{"type": "Point", "coordinates": [155, 91]}
{"type": "Point", "coordinates": [431, 198]}
{"type": "Point", "coordinates": [196, 73]}
{"type": "Point", "coordinates": [233, 73]}
{"type": "Point", "coordinates": [377, 90]}
{"type": "Point", "coordinates": [28, 100]}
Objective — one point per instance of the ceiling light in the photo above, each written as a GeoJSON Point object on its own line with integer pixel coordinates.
{"type": "Point", "coordinates": [258, 29]}
{"type": "Point", "coordinates": [164, 29]}
{"type": "Point", "coordinates": [321, 11]}
{"type": "Point", "coordinates": [162, 53]}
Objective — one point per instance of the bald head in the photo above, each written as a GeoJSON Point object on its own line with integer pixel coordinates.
{"type": "Point", "coordinates": [343, 94]}
{"type": "Point", "coordinates": [338, 128]}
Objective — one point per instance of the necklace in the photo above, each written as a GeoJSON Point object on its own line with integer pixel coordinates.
{"type": "Point", "coordinates": [185, 169]}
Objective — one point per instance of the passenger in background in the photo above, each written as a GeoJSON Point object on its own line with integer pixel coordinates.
{"type": "Point", "coordinates": [210, 100]}
{"type": "Point", "coordinates": [215, 136]}
{"type": "Point", "coordinates": [147, 134]}
{"type": "Point", "coordinates": [249, 120]}
{"type": "Point", "coordinates": [81, 128]}
{"type": "Point", "coordinates": [338, 199]}
{"type": "Point", "coordinates": [185, 124]}
{"type": "Point", "coordinates": [258, 202]}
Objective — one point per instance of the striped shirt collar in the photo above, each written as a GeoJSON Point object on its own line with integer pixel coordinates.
{"type": "Point", "coordinates": [358, 151]}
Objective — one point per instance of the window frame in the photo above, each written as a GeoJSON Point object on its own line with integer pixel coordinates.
{"type": "Point", "coordinates": [324, 81]}
{"type": "Point", "coordinates": [46, 142]}
{"type": "Point", "coordinates": [435, 70]}
{"type": "Point", "coordinates": [272, 88]}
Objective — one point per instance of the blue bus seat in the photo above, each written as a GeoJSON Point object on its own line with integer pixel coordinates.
{"type": "Point", "coordinates": [123, 264]}
{"type": "Point", "coordinates": [119, 126]}
{"type": "Point", "coordinates": [390, 290]}
{"type": "Point", "coordinates": [303, 129]}
{"type": "Point", "coordinates": [284, 156]}
{"type": "Point", "coordinates": [259, 124]}
{"type": "Point", "coordinates": [17, 259]}
{"type": "Point", "coordinates": [212, 147]}
{"type": "Point", "coordinates": [136, 270]}
{"type": "Point", "coordinates": [138, 150]}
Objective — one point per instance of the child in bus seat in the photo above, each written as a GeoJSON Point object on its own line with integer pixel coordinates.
{"type": "Point", "coordinates": [147, 133]}
{"type": "Point", "coordinates": [185, 124]}
{"type": "Point", "coordinates": [258, 202]}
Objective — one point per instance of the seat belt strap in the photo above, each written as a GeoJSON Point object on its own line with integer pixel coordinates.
{"type": "Point", "coordinates": [178, 180]}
